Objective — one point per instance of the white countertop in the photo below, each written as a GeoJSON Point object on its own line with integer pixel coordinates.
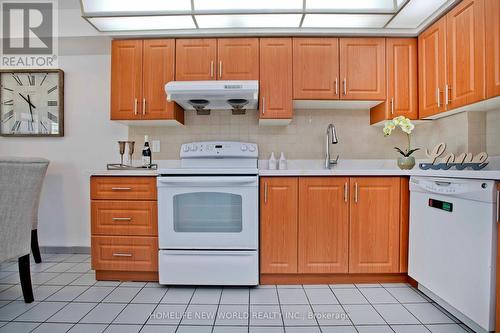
{"type": "Point", "coordinates": [344, 168]}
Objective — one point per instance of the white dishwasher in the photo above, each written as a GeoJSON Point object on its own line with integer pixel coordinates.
{"type": "Point", "coordinates": [452, 250]}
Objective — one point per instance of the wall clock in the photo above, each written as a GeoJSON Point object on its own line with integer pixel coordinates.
{"type": "Point", "coordinates": [32, 102]}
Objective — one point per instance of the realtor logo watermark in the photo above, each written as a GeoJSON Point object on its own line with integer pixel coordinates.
{"type": "Point", "coordinates": [28, 34]}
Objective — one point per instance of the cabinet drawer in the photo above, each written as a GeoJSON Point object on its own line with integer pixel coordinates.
{"type": "Point", "coordinates": [126, 218]}
{"type": "Point", "coordinates": [123, 188]}
{"type": "Point", "coordinates": [113, 253]}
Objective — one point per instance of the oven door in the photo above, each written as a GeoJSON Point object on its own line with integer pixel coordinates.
{"type": "Point", "coordinates": [208, 212]}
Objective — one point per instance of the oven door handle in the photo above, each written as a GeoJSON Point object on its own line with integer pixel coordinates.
{"type": "Point", "coordinates": [205, 181]}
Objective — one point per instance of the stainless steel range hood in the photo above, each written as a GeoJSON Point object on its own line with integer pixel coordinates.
{"type": "Point", "coordinates": [204, 96]}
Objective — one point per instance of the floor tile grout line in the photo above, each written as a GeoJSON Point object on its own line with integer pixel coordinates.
{"type": "Point", "coordinates": [279, 307]}
{"type": "Point", "coordinates": [311, 308]}
{"type": "Point", "coordinates": [217, 310]}
{"type": "Point", "coordinates": [156, 307]}
{"type": "Point", "coordinates": [185, 309]}
{"type": "Point", "coordinates": [343, 308]}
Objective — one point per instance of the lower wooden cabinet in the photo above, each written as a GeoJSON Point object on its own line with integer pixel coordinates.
{"type": "Point", "coordinates": [319, 228]}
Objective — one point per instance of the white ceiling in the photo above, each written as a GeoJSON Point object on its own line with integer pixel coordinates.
{"type": "Point", "coordinates": [262, 17]}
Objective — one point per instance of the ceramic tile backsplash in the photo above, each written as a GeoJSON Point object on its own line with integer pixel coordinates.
{"type": "Point", "coordinates": [304, 138]}
{"type": "Point", "coordinates": [493, 133]}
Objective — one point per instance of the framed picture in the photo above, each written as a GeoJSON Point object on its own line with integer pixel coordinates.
{"type": "Point", "coordinates": [32, 102]}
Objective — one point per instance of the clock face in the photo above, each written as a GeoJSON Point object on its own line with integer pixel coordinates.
{"type": "Point", "coordinates": [29, 103]}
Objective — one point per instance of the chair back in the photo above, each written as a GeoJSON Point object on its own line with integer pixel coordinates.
{"type": "Point", "coordinates": [21, 182]}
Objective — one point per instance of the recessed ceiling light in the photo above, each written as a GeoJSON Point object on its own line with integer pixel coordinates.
{"type": "Point", "coordinates": [415, 13]}
{"type": "Point", "coordinates": [249, 21]}
{"type": "Point", "coordinates": [247, 4]}
{"type": "Point", "coordinates": [345, 20]}
{"type": "Point", "coordinates": [135, 23]}
{"type": "Point", "coordinates": [352, 5]}
{"type": "Point", "coordinates": [109, 6]}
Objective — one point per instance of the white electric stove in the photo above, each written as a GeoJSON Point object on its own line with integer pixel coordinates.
{"type": "Point", "coordinates": [208, 223]}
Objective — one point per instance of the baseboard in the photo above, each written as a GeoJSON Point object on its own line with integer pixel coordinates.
{"type": "Point", "coordinates": [65, 249]}
{"type": "Point", "coordinates": [333, 278]}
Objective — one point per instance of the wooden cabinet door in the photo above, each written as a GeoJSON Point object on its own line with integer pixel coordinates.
{"type": "Point", "coordinates": [362, 68]}
{"type": "Point", "coordinates": [432, 69]}
{"type": "Point", "coordinates": [238, 59]}
{"type": "Point", "coordinates": [492, 29]}
{"type": "Point", "coordinates": [323, 225]}
{"type": "Point", "coordinates": [402, 81]}
{"type": "Point", "coordinates": [374, 225]}
{"type": "Point", "coordinates": [195, 59]}
{"type": "Point", "coordinates": [278, 224]}
{"type": "Point", "coordinates": [158, 69]}
{"type": "Point", "coordinates": [126, 79]}
{"type": "Point", "coordinates": [465, 54]}
{"type": "Point", "coordinates": [315, 68]}
{"type": "Point", "coordinates": [275, 78]}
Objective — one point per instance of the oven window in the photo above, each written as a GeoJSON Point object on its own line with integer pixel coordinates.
{"type": "Point", "coordinates": [207, 212]}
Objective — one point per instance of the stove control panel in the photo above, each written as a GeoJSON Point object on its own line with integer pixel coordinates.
{"type": "Point", "coordinates": [219, 149]}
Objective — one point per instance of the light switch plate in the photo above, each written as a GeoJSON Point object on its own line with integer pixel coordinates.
{"type": "Point", "coordinates": [156, 146]}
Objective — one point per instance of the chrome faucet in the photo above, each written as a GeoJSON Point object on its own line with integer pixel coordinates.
{"type": "Point", "coordinates": [331, 135]}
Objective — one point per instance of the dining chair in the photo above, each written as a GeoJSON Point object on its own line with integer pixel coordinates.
{"type": "Point", "coordinates": [21, 182]}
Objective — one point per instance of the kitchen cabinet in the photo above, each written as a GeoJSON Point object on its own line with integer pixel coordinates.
{"type": "Point", "coordinates": [316, 68]}
{"type": "Point", "coordinates": [402, 81]}
{"type": "Point", "coordinates": [276, 80]}
{"type": "Point", "coordinates": [124, 228]}
{"type": "Point", "coordinates": [374, 225]}
{"type": "Point", "coordinates": [323, 225]}
{"type": "Point", "coordinates": [139, 71]}
{"type": "Point", "coordinates": [362, 68]}
{"type": "Point", "coordinates": [278, 224]}
{"type": "Point", "coordinates": [465, 54]}
{"type": "Point", "coordinates": [492, 37]}
{"type": "Point", "coordinates": [238, 58]}
{"type": "Point", "coordinates": [217, 59]}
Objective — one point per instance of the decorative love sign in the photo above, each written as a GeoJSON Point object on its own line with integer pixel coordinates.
{"type": "Point", "coordinates": [460, 162]}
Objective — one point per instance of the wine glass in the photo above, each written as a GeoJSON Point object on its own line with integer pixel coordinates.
{"type": "Point", "coordinates": [121, 145]}
{"type": "Point", "coordinates": [130, 150]}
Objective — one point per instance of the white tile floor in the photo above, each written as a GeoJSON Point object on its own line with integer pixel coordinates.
{"type": "Point", "coordinates": [69, 299]}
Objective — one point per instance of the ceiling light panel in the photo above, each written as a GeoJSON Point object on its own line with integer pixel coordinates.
{"type": "Point", "coordinates": [247, 5]}
{"type": "Point", "coordinates": [249, 21]}
{"type": "Point", "coordinates": [136, 23]}
{"type": "Point", "coordinates": [415, 13]}
{"type": "Point", "coordinates": [351, 6]}
{"type": "Point", "coordinates": [345, 21]}
{"type": "Point", "coordinates": [124, 6]}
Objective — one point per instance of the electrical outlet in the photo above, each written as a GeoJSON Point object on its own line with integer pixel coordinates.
{"type": "Point", "coordinates": [156, 146]}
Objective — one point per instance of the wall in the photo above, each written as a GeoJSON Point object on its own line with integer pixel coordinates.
{"type": "Point", "coordinates": [304, 138]}
{"type": "Point", "coordinates": [493, 132]}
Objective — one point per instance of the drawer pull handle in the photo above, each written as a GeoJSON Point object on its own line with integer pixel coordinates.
{"type": "Point", "coordinates": [121, 188]}
{"type": "Point", "coordinates": [122, 254]}
{"type": "Point", "coordinates": [122, 219]}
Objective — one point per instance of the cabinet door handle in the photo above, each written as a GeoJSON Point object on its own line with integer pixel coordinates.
{"type": "Point", "coordinates": [122, 254]}
{"type": "Point", "coordinates": [345, 86]}
{"type": "Point", "coordinates": [220, 69]}
{"type": "Point", "coordinates": [356, 192]}
{"type": "Point", "coordinates": [135, 106]}
{"type": "Point", "coordinates": [143, 106]}
{"type": "Point", "coordinates": [346, 192]}
{"type": "Point", "coordinates": [121, 188]}
{"type": "Point", "coordinates": [438, 97]}
{"type": "Point", "coordinates": [122, 219]}
{"type": "Point", "coordinates": [263, 105]}
{"type": "Point", "coordinates": [392, 105]}
{"type": "Point", "coordinates": [212, 68]}
{"type": "Point", "coordinates": [265, 192]}
{"type": "Point", "coordinates": [336, 86]}
{"type": "Point", "coordinates": [447, 93]}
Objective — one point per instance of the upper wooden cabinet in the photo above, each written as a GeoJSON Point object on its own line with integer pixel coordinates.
{"type": "Point", "coordinates": [374, 225]}
{"type": "Point", "coordinates": [195, 59]}
{"type": "Point", "coordinates": [323, 224]}
{"type": "Point", "coordinates": [276, 79]}
{"type": "Point", "coordinates": [465, 54]}
{"type": "Point", "coordinates": [362, 68]}
{"type": "Point", "coordinates": [432, 69]}
{"type": "Point", "coordinates": [217, 59]}
{"type": "Point", "coordinates": [492, 33]}
{"type": "Point", "coordinates": [278, 224]}
{"type": "Point", "coordinates": [316, 68]}
{"type": "Point", "coordinates": [402, 81]}
{"type": "Point", "coordinates": [126, 79]}
{"type": "Point", "coordinates": [238, 59]}
{"type": "Point", "coordinates": [139, 71]}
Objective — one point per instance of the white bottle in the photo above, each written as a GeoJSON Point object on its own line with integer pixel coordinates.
{"type": "Point", "coordinates": [282, 162]}
{"type": "Point", "coordinates": [272, 162]}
